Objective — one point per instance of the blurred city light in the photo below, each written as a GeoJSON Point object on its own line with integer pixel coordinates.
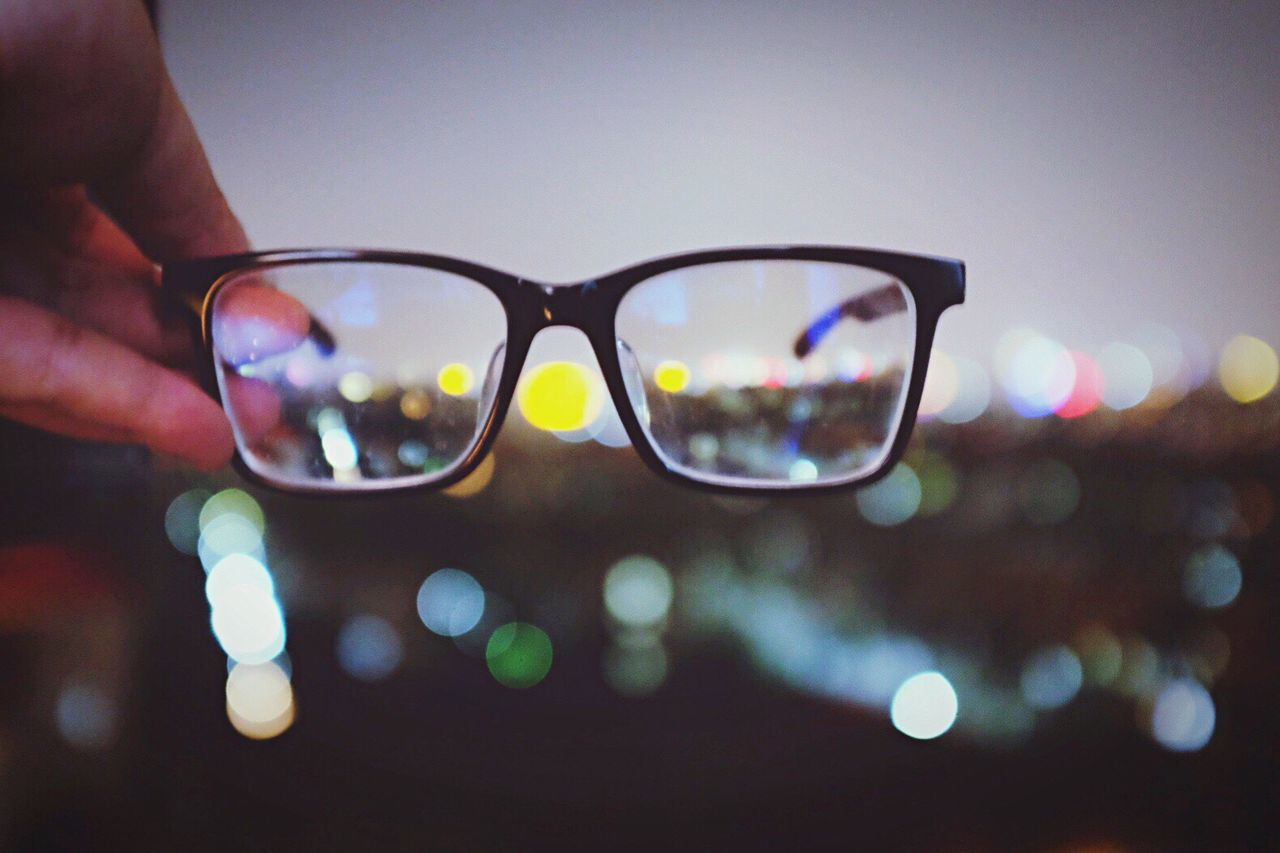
{"type": "Point", "coordinates": [415, 404]}
{"type": "Point", "coordinates": [973, 392]}
{"type": "Point", "coordinates": [1038, 373]}
{"type": "Point", "coordinates": [925, 706]}
{"type": "Point", "coordinates": [85, 715]}
{"type": "Point", "coordinates": [635, 670]}
{"type": "Point", "coordinates": [455, 379]}
{"type": "Point", "coordinates": [260, 701]}
{"type": "Point", "coordinates": [235, 502]}
{"type": "Point", "coordinates": [1212, 578]}
{"type": "Point", "coordinates": [870, 671]}
{"type": "Point", "coordinates": [1086, 391]}
{"type": "Point", "coordinates": [1172, 375]}
{"type": "Point", "coordinates": [1183, 716]}
{"type": "Point", "coordinates": [1248, 369]}
{"type": "Point", "coordinates": [1051, 677]}
{"type": "Point", "coordinates": [939, 484]}
{"type": "Point", "coordinates": [560, 396]}
{"type": "Point", "coordinates": [248, 624]}
{"type": "Point", "coordinates": [1101, 655]}
{"type": "Point", "coordinates": [519, 655]}
{"type": "Point", "coordinates": [1127, 376]}
{"type": "Point", "coordinates": [182, 520]}
{"type": "Point", "coordinates": [638, 591]}
{"type": "Point", "coordinates": [450, 602]}
{"type": "Point", "coordinates": [226, 535]}
{"type": "Point", "coordinates": [893, 499]}
{"type": "Point", "coordinates": [233, 571]}
{"type": "Point", "coordinates": [368, 647]}
{"type": "Point", "coordinates": [339, 449]}
{"type": "Point", "coordinates": [802, 471]}
{"type": "Point", "coordinates": [355, 386]}
{"type": "Point", "coordinates": [672, 376]}
{"type": "Point", "coordinates": [941, 385]}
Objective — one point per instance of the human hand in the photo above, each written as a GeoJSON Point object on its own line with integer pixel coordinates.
{"type": "Point", "coordinates": [101, 177]}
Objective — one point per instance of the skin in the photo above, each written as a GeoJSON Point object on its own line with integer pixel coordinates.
{"type": "Point", "coordinates": [102, 177]}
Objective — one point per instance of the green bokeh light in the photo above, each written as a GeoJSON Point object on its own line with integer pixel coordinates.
{"type": "Point", "coordinates": [519, 654]}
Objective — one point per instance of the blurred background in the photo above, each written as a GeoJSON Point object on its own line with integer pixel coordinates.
{"type": "Point", "coordinates": [1052, 627]}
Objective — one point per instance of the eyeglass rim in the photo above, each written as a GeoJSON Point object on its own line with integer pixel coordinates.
{"type": "Point", "coordinates": [590, 305]}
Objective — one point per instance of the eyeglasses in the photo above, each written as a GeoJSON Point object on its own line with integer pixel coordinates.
{"type": "Point", "coordinates": [750, 370]}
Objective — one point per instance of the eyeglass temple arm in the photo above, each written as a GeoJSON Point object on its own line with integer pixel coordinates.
{"type": "Point", "coordinates": [317, 332]}
{"type": "Point", "coordinates": [872, 305]}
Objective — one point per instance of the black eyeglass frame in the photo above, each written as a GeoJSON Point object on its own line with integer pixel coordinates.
{"type": "Point", "coordinates": [590, 306]}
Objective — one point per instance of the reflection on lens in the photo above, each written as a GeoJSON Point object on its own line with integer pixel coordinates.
{"type": "Point", "coordinates": [769, 372]}
{"type": "Point", "coordinates": [337, 372]}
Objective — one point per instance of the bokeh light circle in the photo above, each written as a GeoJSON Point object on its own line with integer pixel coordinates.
{"type": "Point", "coordinates": [1248, 369]}
{"type": "Point", "coordinates": [893, 499]}
{"type": "Point", "coordinates": [672, 376]}
{"type": "Point", "coordinates": [941, 385]}
{"type": "Point", "coordinates": [1052, 677]}
{"type": "Point", "coordinates": [456, 379]}
{"type": "Point", "coordinates": [1127, 375]}
{"type": "Point", "coordinates": [182, 520]}
{"type": "Point", "coordinates": [560, 396]}
{"type": "Point", "coordinates": [519, 655]}
{"type": "Point", "coordinates": [1212, 578]}
{"type": "Point", "coordinates": [260, 702]}
{"type": "Point", "coordinates": [233, 571]}
{"type": "Point", "coordinates": [368, 647]}
{"type": "Point", "coordinates": [1183, 716]}
{"type": "Point", "coordinates": [248, 624]}
{"type": "Point", "coordinates": [450, 602]}
{"type": "Point", "coordinates": [924, 706]}
{"type": "Point", "coordinates": [638, 591]}
{"type": "Point", "coordinates": [236, 501]}
{"type": "Point", "coordinates": [973, 392]}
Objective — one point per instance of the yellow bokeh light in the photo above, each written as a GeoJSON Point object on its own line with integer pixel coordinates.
{"type": "Point", "coordinates": [672, 376]}
{"type": "Point", "coordinates": [255, 730]}
{"type": "Point", "coordinates": [415, 404]}
{"type": "Point", "coordinates": [357, 387]}
{"type": "Point", "coordinates": [259, 700]}
{"type": "Point", "coordinates": [560, 396]}
{"type": "Point", "coordinates": [475, 482]}
{"type": "Point", "coordinates": [1248, 369]}
{"type": "Point", "coordinates": [455, 379]}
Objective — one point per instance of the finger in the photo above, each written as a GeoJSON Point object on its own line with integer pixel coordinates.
{"type": "Point", "coordinates": [42, 417]}
{"type": "Point", "coordinates": [253, 321]}
{"type": "Point", "coordinates": [113, 301]}
{"type": "Point", "coordinates": [130, 312]}
{"type": "Point", "coordinates": [48, 361]}
{"type": "Point", "coordinates": [64, 253]}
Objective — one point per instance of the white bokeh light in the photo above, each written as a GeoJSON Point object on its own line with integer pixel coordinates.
{"type": "Point", "coordinates": [248, 624]}
{"type": "Point", "coordinates": [925, 706]}
{"type": "Point", "coordinates": [450, 602]}
{"type": "Point", "coordinates": [1183, 717]}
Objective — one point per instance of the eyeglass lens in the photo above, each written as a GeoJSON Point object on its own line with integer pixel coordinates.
{"type": "Point", "coordinates": [335, 373]}
{"type": "Point", "coordinates": [769, 372]}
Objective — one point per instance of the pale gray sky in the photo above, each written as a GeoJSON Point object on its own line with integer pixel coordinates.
{"type": "Point", "coordinates": [1098, 165]}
